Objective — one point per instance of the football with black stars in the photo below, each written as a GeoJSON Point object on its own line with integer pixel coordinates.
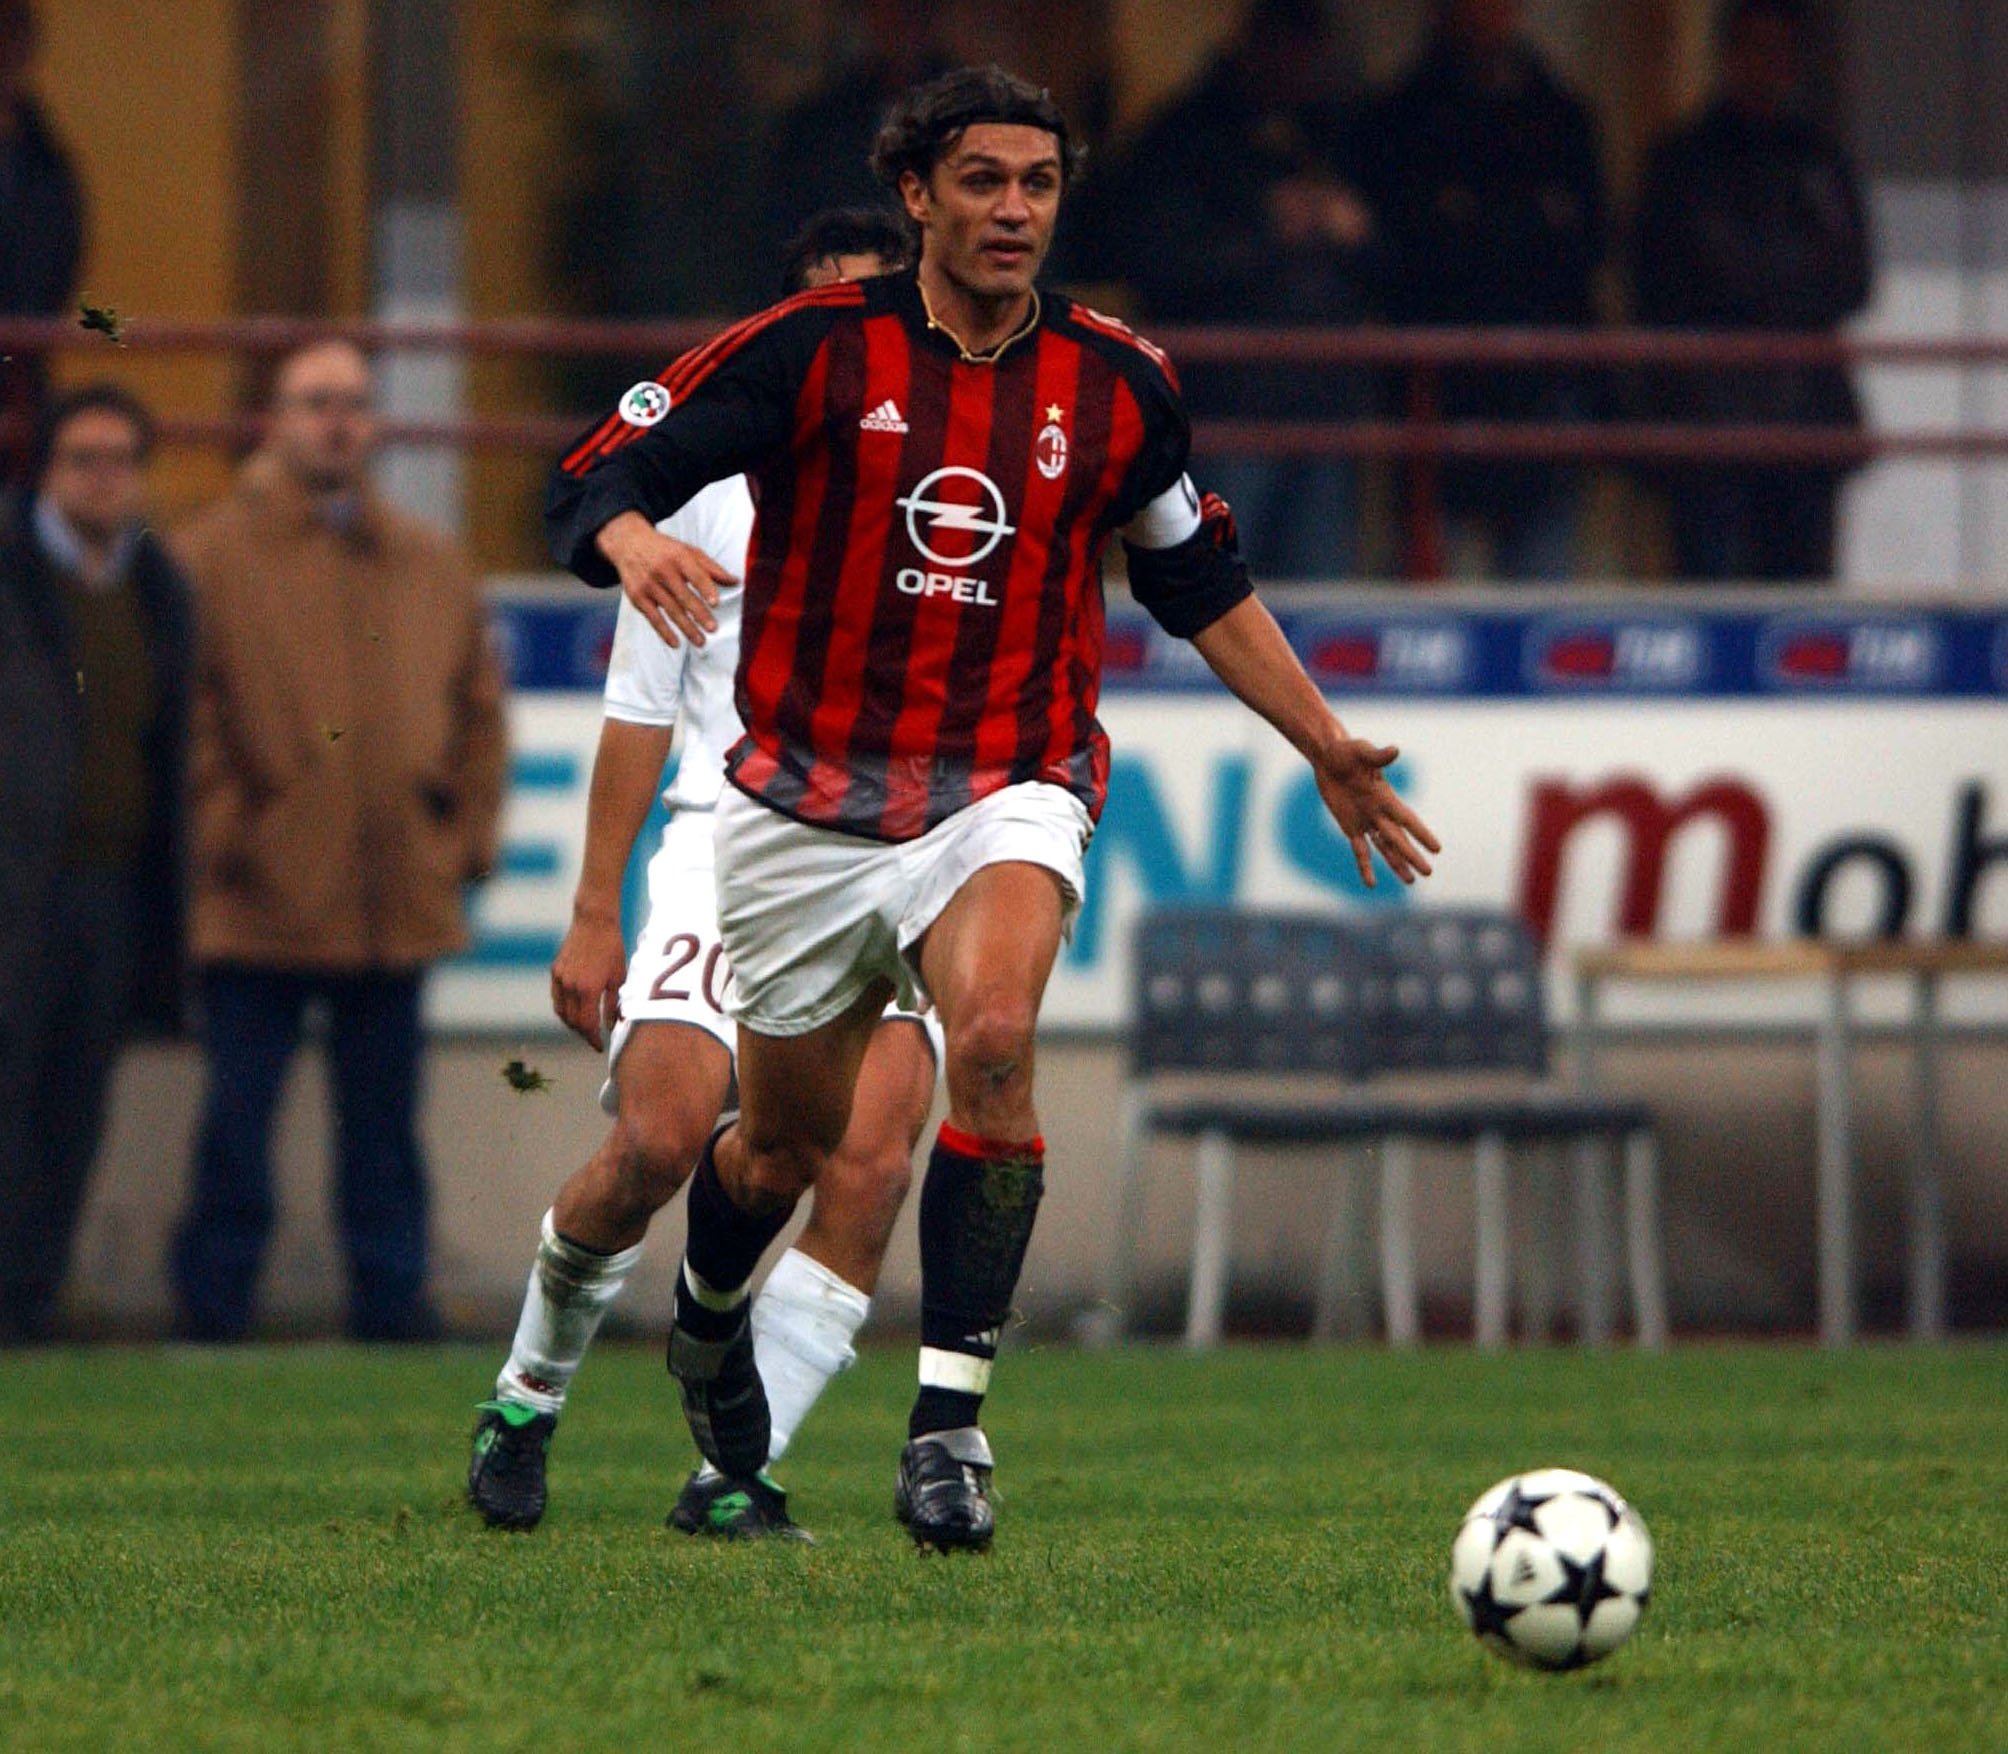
{"type": "Point", "coordinates": [1551, 1569]}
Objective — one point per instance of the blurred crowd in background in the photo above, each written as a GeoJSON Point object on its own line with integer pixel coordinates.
{"type": "Point", "coordinates": [1274, 190]}
{"type": "Point", "coordinates": [250, 768]}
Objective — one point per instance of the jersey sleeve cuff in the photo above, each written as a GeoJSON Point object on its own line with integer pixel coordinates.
{"type": "Point", "coordinates": [598, 507]}
{"type": "Point", "coordinates": [577, 511]}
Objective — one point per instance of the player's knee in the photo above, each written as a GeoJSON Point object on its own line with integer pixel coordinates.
{"type": "Point", "coordinates": [778, 1172]}
{"type": "Point", "coordinates": [868, 1180]}
{"type": "Point", "coordinates": [990, 1045]}
{"type": "Point", "coordinates": [653, 1157]}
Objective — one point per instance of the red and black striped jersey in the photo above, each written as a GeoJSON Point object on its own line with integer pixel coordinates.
{"type": "Point", "coordinates": [922, 623]}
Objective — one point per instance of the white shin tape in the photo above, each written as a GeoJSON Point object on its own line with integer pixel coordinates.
{"type": "Point", "coordinates": [954, 1370]}
{"type": "Point", "coordinates": [708, 1294]}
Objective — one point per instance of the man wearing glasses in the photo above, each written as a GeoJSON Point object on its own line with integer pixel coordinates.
{"type": "Point", "coordinates": [345, 779]}
{"type": "Point", "coordinates": [94, 653]}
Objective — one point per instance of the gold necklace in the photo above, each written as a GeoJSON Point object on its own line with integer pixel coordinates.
{"type": "Point", "coordinates": [992, 356]}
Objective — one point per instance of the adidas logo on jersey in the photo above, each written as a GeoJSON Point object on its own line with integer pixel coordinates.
{"type": "Point", "coordinates": [884, 418]}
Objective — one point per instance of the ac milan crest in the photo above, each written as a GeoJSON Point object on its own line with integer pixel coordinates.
{"type": "Point", "coordinates": [1049, 451]}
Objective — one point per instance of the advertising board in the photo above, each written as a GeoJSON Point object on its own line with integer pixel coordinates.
{"type": "Point", "coordinates": [1602, 767]}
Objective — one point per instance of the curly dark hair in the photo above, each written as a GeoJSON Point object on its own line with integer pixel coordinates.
{"type": "Point", "coordinates": [845, 231]}
{"type": "Point", "coordinates": [925, 122]}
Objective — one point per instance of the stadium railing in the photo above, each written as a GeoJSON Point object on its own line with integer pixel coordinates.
{"type": "Point", "coordinates": [1419, 358]}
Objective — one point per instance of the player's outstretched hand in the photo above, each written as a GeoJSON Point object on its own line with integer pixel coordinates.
{"type": "Point", "coordinates": [674, 585]}
{"type": "Point", "coordinates": [1352, 779]}
{"type": "Point", "coordinates": [586, 978]}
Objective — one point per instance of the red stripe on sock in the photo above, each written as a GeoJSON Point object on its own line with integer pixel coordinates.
{"type": "Point", "coordinates": [970, 1145]}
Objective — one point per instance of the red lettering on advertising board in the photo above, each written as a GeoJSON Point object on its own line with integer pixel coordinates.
{"type": "Point", "coordinates": [1650, 822]}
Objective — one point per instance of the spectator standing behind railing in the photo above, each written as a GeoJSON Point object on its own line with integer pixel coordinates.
{"type": "Point", "coordinates": [345, 775]}
{"type": "Point", "coordinates": [95, 642]}
{"type": "Point", "coordinates": [1751, 218]}
{"type": "Point", "coordinates": [1485, 176]}
{"type": "Point", "coordinates": [1232, 208]}
{"type": "Point", "coordinates": [41, 231]}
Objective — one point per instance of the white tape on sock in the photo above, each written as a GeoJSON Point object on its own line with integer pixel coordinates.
{"type": "Point", "coordinates": [570, 1290]}
{"type": "Point", "coordinates": [707, 1293]}
{"type": "Point", "coordinates": [954, 1370]}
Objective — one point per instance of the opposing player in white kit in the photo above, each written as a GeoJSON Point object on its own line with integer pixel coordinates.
{"type": "Point", "coordinates": [671, 1045]}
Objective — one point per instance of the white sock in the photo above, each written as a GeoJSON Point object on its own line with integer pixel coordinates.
{"type": "Point", "coordinates": [571, 1288]}
{"type": "Point", "coordinates": [804, 1321]}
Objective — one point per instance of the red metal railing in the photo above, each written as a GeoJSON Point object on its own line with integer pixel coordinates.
{"type": "Point", "coordinates": [1191, 343]}
{"type": "Point", "coordinates": [1423, 353]}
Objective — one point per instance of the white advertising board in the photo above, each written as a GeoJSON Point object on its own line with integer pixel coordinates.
{"type": "Point", "coordinates": [1680, 818]}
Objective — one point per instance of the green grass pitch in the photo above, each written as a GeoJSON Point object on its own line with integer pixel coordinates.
{"type": "Point", "coordinates": [270, 1551]}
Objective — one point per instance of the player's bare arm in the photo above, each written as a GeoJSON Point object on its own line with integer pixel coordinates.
{"type": "Point", "coordinates": [1185, 568]}
{"type": "Point", "coordinates": [1247, 651]}
{"type": "Point", "coordinates": [592, 962]}
{"type": "Point", "coordinates": [674, 585]}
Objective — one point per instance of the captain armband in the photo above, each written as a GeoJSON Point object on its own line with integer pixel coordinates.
{"type": "Point", "coordinates": [1185, 564]}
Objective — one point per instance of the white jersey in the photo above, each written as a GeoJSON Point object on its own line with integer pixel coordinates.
{"type": "Point", "coordinates": [650, 682]}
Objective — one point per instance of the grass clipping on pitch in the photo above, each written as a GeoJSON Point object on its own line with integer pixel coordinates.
{"type": "Point", "coordinates": [268, 1550]}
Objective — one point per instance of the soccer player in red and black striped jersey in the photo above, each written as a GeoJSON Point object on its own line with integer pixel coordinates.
{"type": "Point", "coordinates": [940, 458]}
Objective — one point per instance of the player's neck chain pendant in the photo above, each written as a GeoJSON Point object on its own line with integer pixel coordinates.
{"type": "Point", "coordinates": [990, 356]}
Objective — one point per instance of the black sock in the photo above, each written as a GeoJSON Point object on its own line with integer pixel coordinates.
{"type": "Point", "coordinates": [937, 1409]}
{"type": "Point", "coordinates": [977, 1208]}
{"type": "Point", "coordinates": [724, 1246]}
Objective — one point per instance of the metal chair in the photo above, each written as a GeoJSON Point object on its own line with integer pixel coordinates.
{"type": "Point", "coordinates": [1433, 994]}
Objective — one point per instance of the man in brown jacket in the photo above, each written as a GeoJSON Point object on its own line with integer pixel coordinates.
{"type": "Point", "coordinates": [345, 776]}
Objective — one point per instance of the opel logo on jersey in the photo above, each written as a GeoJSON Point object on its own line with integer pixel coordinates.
{"type": "Point", "coordinates": [983, 522]}
{"type": "Point", "coordinates": [645, 404]}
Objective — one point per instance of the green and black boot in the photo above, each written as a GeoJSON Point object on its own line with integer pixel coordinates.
{"type": "Point", "coordinates": [505, 1475]}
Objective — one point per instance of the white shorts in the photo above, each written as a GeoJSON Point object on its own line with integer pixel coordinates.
{"type": "Point", "coordinates": [678, 972]}
{"type": "Point", "coordinates": [813, 916]}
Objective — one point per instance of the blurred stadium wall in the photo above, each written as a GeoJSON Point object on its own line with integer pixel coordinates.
{"type": "Point", "coordinates": [1738, 1178]}
{"type": "Point", "coordinates": [1688, 765]}
{"type": "Point", "coordinates": [228, 151]}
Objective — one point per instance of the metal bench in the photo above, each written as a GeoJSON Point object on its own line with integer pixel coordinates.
{"type": "Point", "coordinates": [1436, 996]}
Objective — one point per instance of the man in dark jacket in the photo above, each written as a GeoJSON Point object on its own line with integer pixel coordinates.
{"type": "Point", "coordinates": [41, 231]}
{"type": "Point", "coordinates": [1751, 218]}
{"type": "Point", "coordinates": [1234, 208]}
{"type": "Point", "coordinates": [95, 648]}
{"type": "Point", "coordinates": [1485, 177]}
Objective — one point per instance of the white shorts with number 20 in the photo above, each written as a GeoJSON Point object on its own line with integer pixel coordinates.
{"type": "Point", "coordinates": [678, 972]}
